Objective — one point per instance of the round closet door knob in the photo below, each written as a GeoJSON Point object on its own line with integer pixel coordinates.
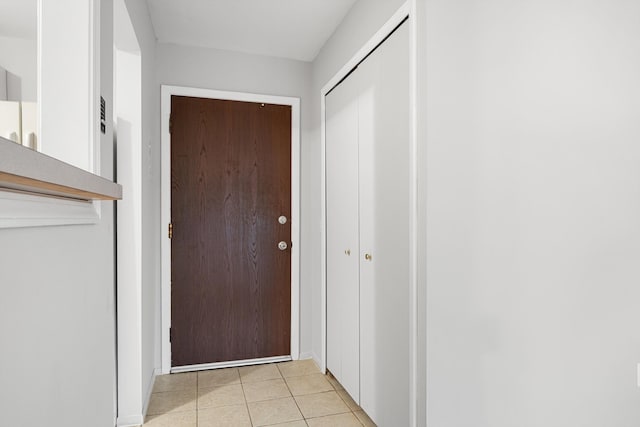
{"type": "Point", "coordinates": [367, 257]}
{"type": "Point", "coordinates": [282, 245]}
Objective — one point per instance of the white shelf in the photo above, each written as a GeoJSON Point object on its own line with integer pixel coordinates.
{"type": "Point", "coordinates": [25, 170]}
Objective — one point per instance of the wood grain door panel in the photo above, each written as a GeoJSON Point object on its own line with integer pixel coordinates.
{"type": "Point", "coordinates": [230, 181]}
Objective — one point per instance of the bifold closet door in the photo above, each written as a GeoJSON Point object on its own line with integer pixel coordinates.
{"type": "Point", "coordinates": [384, 159]}
{"type": "Point", "coordinates": [368, 214]}
{"type": "Point", "coordinates": [343, 322]}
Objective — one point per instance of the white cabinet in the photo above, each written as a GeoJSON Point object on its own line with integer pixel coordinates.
{"type": "Point", "coordinates": [368, 247]}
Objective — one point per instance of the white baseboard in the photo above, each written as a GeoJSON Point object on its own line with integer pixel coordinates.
{"type": "Point", "coordinates": [147, 399]}
{"type": "Point", "coordinates": [130, 421]}
{"type": "Point", "coordinates": [316, 359]}
{"type": "Point", "coordinates": [138, 419]}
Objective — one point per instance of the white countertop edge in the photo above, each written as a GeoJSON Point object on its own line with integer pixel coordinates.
{"type": "Point", "coordinates": [42, 172]}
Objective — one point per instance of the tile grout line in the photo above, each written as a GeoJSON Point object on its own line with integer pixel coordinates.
{"type": "Point", "coordinates": [197, 398]}
{"type": "Point", "coordinates": [352, 411]}
{"type": "Point", "coordinates": [334, 390]}
{"type": "Point", "coordinates": [304, 419]}
{"type": "Point", "coordinates": [293, 397]}
{"type": "Point", "coordinates": [246, 403]}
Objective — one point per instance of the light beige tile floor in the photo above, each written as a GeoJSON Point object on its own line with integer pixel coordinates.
{"type": "Point", "coordinates": [288, 394]}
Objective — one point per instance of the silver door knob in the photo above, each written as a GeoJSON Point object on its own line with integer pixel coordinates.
{"type": "Point", "coordinates": [282, 245]}
{"type": "Point", "coordinates": [282, 219]}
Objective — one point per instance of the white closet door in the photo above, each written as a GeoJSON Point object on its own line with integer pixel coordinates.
{"type": "Point", "coordinates": [384, 231]}
{"type": "Point", "coordinates": [343, 352]}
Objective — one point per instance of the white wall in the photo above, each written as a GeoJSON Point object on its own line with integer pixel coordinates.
{"type": "Point", "coordinates": [66, 64]}
{"type": "Point", "coordinates": [57, 314]}
{"type": "Point", "coordinates": [19, 57]}
{"type": "Point", "coordinates": [222, 70]}
{"type": "Point", "coordinates": [532, 213]}
{"type": "Point", "coordinates": [127, 116]}
{"type": "Point", "coordinates": [150, 196]}
{"type": "Point", "coordinates": [419, 19]}
{"type": "Point", "coordinates": [364, 19]}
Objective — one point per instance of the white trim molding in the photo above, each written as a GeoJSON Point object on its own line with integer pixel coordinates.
{"type": "Point", "coordinates": [130, 421]}
{"type": "Point", "coordinates": [405, 11]}
{"type": "Point", "coordinates": [165, 209]}
{"type": "Point", "coordinates": [29, 210]}
{"type": "Point", "coordinates": [413, 219]}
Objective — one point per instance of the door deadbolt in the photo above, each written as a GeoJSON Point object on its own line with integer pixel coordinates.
{"type": "Point", "coordinates": [282, 245]}
{"type": "Point", "coordinates": [282, 219]}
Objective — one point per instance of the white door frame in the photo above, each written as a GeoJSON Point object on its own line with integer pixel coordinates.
{"type": "Point", "coordinates": [407, 10]}
{"type": "Point", "coordinates": [165, 214]}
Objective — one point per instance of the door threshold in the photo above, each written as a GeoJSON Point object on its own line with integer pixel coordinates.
{"type": "Point", "coordinates": [230, 364]}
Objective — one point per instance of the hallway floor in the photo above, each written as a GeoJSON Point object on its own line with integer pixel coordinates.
{"type": "Point", "coordinates": [291, 394]}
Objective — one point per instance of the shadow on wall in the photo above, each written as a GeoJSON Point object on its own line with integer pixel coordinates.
{"type": "Point", "coordinates": [10, 86]}
{"type": "Point", "coordinates": [13, 87]}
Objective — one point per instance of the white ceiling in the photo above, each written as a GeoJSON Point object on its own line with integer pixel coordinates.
{"type": "Point", "coordinates": [18, 18]}
{"type": "Point", "coordinates": [295, 29]}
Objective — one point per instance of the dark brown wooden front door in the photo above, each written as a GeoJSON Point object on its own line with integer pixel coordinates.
{"type": "Point", "coordinates": [230, 183]}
